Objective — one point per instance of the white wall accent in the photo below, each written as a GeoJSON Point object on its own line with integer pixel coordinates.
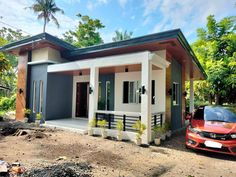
{"type": "Point", "coordinates": [46, 53]}
{"type": "Point", "coordinates": [157, 75]}
{"type": "Point", "coordinates": [116, 60]}
{"type": "Point", "coordinates": [84, 78]}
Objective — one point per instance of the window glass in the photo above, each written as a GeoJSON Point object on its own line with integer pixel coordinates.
{"type": "Point", "coordinates": [34, 96]}
{"type": "Point", "coordinates": [40, 96]}
{"type": "Point", "coordinates": [108, 93]}
{"type": "Point", "coordinates": [175, 93]}
{"type": "Point", "coordinates": [125, 92]}
{"type": "Point", "coordinates": [131, 93]}
{"type": "Point", "coordinates": [153, 92]}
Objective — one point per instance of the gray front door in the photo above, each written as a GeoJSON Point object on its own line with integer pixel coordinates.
{"type": "Point", "coordinates": [176, 96]}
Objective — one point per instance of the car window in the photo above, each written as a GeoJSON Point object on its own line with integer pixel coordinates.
{"type": "Point", "coordinates": [199, 114]}
{"type": "Point", "coordinates": [222, 114]}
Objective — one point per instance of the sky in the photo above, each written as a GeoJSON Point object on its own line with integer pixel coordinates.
{"type": "Point", "coordinates": [142, 17]}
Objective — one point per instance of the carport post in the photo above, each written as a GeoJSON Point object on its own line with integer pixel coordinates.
{"type": "Point", "coordinates": [191, 98]}
{"type": "Point", "coordinates": [93, 96]}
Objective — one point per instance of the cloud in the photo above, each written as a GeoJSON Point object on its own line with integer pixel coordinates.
{"type": "Point", "coordinates": [122, 3]}
{"type": "Point", "coordinates": [150, 6]}
{"type": "Point", "coordinates": [71, 1]}
{"type": "Point", "coordinates": [92, 4]}
{"type": "Point", "coordinates": [185, 14]}
{"type": "Point", "coordinates": [26, 20]}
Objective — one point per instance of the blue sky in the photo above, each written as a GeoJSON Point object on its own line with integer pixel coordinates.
{"type": "Point", "coordinates": [139, 16]}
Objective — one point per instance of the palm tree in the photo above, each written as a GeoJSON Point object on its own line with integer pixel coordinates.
{"type": "Point", "coordinates": [46, 10]}
{"type": "Point", "coordinates": [120, 36]}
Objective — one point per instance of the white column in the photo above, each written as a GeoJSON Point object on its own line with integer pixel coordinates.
{"type": "Point", "coordinates": [146, 99]}
{"type": "Point", "coordinates": [93, 97]}
{"type": "Point", "coordinates": [191, 98]}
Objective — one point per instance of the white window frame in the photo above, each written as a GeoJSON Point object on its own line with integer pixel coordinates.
{"type": "Point", "coordinates": [40, 96]}
{"type": "Point", "coordinates": [34, 96]}
{"type": "Point", "coordinates": [134, 97]}
{"type": "Point", "coordinates": [176, 91]}
{"type": "Point", "coordinates": [106, 104]}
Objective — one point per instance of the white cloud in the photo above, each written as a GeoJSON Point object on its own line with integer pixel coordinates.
{"type": "Point", "coordinates": [185, 14]}
{"type": "Point", "coordinates": [95, 3]}
{"type": "Point", "coordinates": [122, 3]}
{"type": "Point", "coordinates": [26, 20]}
{"type": "Point", "coordinates": [71, 1]}
{"type": "Point", "coordinates": [150, 6]}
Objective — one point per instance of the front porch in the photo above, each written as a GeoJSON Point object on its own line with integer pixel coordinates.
{"type": "Point", "coordinates": [133, 89]}
{"type": "Point", "coordinates": [76, 125]}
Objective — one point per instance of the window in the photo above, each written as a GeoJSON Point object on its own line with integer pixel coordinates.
{"type": "Point", "coordinates": [153, 92]}
{"type": "Point", "coordinates": [108, 93]}
{"type": "Point", "coordinates": [99, 91]}
{"type": "Point", "coordinates": [34, 96]}
{"type": "Point", "coordinates": [131, 92]}
{"type": "Point", "coordinates": [175, 93]}
{"type": "Point", "coordinates": [40, 96]}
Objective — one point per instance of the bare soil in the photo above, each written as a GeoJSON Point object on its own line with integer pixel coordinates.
{"type": "Point", "coordinates": [55, 149]}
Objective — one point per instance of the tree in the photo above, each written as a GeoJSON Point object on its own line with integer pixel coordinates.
{"type": "Point", "coordinates": [46, 10]}
{"type": "Point", "coordinates": [120, 36]}
{"type": "Point", "coordinates": [216, 50]}
{"type": "Point", "coordinates": [8, 62]}
{"type": "Point", "coordinates": [86, 33]}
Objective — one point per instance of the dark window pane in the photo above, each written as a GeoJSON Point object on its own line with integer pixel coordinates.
{"type": "Point", "coordinates": [125, 92]}
{"type": "Point", "coordinates": [153, 91]}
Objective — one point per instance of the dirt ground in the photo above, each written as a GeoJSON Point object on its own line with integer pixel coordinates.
{"type": "Point", "coordinates": [113, 158]}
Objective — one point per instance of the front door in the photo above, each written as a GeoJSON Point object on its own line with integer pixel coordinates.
{"type": "Point", "coordinates": [82, 99]}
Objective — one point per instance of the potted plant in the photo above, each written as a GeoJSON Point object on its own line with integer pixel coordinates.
{"type": "Point", "coordinates": [102, 124]}
{"type": "Point", "coordinates": [158, 131]}
{"type": "Point", "coordinates": [38, 118]}
{"type": "Point", "coordinates": [140, 130]}
{"type": "Point", "coordinates": [27, 113]}
{"type": "Point", "coordinates": [119, 128]}
{"type": "Point", "coordinates": [92, 124]}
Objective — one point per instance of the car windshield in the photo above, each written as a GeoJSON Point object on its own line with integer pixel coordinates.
{"type": "Point", "coordinates": [210, 113]}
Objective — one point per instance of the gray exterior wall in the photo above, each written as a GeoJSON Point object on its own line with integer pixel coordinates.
{"type": "Point", "coordinates": [57, 93]}
{"type": "Point", "coordinates": [59, 96]}
{"type": "Point", "coordinates": [176, 115]}
{"type": "Point", "coordinates": [37, 73]}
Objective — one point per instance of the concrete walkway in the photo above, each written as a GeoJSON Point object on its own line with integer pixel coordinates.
{"type": "Point", "coordinates": [76, 125]}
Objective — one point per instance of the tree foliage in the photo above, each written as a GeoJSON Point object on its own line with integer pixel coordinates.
{"type": "Point", "coordinates": [120, 36]}
{"type": "Point", "coordinates": [8, 62]}
{"type": "Point", "coordinates": [46, 9]}
{"type": "Point", "coordinates": [216, 51]}
{"type": "Point", "coordinates": [86, 33]}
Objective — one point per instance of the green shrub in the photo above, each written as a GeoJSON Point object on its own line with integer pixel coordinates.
{"type": "Point", "coordinates": [140, 128]}
{"type": "Point", "coordinates": [102, 123]}
{"type": "Point", "coordinates": [92, 123]}
{"type": "Point", "coordinates": [8, 103]}
{"type": "Point", "coordinates": [120, 125]}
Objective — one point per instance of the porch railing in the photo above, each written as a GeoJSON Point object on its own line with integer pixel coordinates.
{"type": "Point", "coordinates": [128, 120]}
{"type": "Point", "coordinates": [112, 118]}
{"type": "Point", "coordinates": [157, 119]}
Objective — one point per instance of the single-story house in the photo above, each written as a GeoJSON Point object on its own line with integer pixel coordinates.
{"type": "Point", "coordinates": [141, 78]}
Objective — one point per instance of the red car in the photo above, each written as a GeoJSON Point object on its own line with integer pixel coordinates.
{"type": "Point", "coordinates": [212, 128]}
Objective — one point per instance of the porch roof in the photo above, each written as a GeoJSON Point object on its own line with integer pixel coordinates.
{"type": "Point", "coordinates": [173, 41]}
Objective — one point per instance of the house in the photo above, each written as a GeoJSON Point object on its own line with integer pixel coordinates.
{"type": "Point", "coordinates": [141, 78]}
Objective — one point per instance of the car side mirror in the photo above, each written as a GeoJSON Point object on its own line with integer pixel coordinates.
{"type": "Point", "coordinates": [188, 116]}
